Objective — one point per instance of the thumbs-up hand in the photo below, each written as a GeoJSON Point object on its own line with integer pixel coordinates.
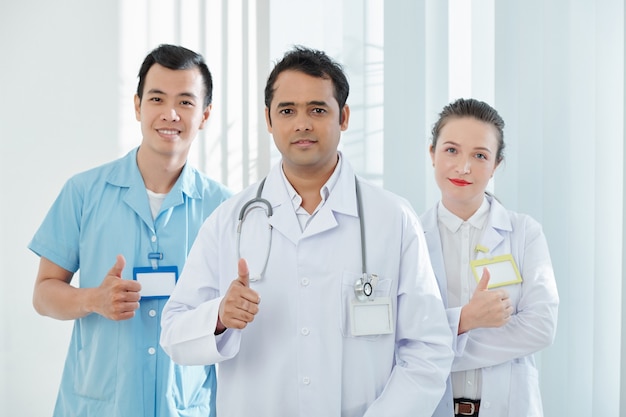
{"type": "Point", "coordinates": [117, 298]}
{"type": "Point", "coordinates": [486, 308]}
{"type": "Point", "coordinates": [483, 284]}
{"type": "Point", "coordinates": [240, 303]}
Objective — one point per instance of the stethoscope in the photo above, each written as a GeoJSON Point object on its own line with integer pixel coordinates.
{"type": "Point", "coordinates": [245, 209]}
{"type": "Point", "coordinates": [363, 287]}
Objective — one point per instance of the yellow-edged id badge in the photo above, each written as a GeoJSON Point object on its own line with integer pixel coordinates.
{"type": "Point", "coordinates": [156, 282]}
{"type": "Point", "coordinates": [502, 269]}
{"type": "Point", "coordinates": [371, 317]}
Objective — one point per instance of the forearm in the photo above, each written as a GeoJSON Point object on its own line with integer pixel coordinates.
{"type": "Point", "coordinates": [524, 335]}
{"type": "Point", "coordinates": [188, 334]}
{"type": "Point", "coordinates": [62, 301]}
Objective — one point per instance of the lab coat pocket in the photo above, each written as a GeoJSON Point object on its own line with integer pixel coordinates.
{"type": "Point", "coordinates": [525, 398]}
{"type": "Point", "coordinates": [348, 283]}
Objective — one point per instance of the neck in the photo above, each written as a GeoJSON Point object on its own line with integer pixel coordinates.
{"type": "Point", "coordinates": [309, 184]}
{"type": "Point", "coordinates": [159, 173]}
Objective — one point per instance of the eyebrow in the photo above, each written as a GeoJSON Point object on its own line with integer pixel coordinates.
{"type": "Point", "coordinates": [480, 148]}
{"type": "Point", "coordinates": [309, 103]}
{"type": "Point", "coordinates": [157, 91]}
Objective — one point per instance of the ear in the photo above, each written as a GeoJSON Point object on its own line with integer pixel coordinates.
{"type": "Point", "coordinates": [205, 115]}
{"type": "Point", "coordinates": [268, 120]}
{"type": "Point", "coordinates": [431, 150]}
{"type": "Point", "coordinates": [345, 117]}
{"type": "Point", "coordinates": [137, 108]}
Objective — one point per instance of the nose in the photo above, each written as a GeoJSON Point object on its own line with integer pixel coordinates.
{"type": "Point", "coordinates": [464, 167]}
{"type": "Point", "coordinates": [303, 123]}
{"type": "Point", "coordinates": [170, 115]}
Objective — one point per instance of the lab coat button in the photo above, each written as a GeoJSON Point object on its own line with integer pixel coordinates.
{"type": "Point", "coordinates": [152, 351]}
{"type": "Point", "coordinates": [152, 313]}
{"type": "Point", "coordinates": [304, 282]}
{"type": "Point", "coordinates": [306, 380]}
{"type": "Point", "coordinates": [153, 238]}
{"type": "Point", "coordinates": [305, 331]}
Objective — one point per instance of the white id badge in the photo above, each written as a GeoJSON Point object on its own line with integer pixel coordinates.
{"type": "Point", "coordinates": [156, 283]}
{"type": "Point", "coordinates": [371, 317]}
{"type": "Point", "coordinates": [503, 270]}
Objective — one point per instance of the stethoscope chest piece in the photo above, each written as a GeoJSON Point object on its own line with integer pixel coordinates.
{"type": "Point", "coordinates": [364, 287]}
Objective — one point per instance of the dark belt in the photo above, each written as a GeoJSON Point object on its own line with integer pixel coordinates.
{"type": "Point", "coordinates": [465, 407]}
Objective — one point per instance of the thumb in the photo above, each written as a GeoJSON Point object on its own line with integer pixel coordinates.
{"type": "Point", "coordinates": [116, 270]}
{"type": "Point", "coordinates": [243, 273]}
{"type": "Point", "coordinates": [483, 284]}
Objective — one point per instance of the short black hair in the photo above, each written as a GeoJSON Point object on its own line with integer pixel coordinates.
{"type": "Point", "coordinates": [176, 58]}
{"type": "Point", "coordinates": [314, 63]}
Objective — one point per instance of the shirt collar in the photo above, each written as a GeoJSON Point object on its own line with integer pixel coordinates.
{"type": "Point", "coordinates": [325, 191]}
{"type": "Point", "coordinates": [127, 175]}
{"type": "Point", "coordinates": [453, 222]}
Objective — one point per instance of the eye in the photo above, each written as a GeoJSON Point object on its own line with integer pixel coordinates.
{"type": "Point", "coordinates": [450, 150]}
{"type": "Point", "coordinates": [481, 156]}
{"type": "Point", "coordinates": [285, 111]}
{"type": "Point", "coordinates": [155, 99]}
{"type": "Point", "coordinates": [186, 103]}
{"type": "Point", "coordinates": [318, 110]}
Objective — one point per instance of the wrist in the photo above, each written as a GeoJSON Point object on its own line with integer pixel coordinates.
{"type": "Point", "coordinates": [89, 301]}
{"type": "Point", "coordinates": [219, 327]}
{"type": "Point", "coordinates": [463, 327]}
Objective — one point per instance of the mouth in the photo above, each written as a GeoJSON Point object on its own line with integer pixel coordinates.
{"type": "Point", "coordinates": [168, 132]}
{"type": "Point", "coordinates": [304, 142]}
{"type": "Point", "coordinates": [459, 182]}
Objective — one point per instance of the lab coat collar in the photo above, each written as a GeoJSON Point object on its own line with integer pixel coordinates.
{"type": "Point", "coordinates": [284, 219]}
{"type": "Point", "coordinates": [499, 222]}
{"type": "Point", "coordinates": [342, 199]}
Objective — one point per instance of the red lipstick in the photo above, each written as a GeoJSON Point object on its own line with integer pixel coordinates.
{"type": "Point", "coordinates": [459, 182]}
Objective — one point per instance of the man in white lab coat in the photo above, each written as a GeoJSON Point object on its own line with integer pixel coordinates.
{"type": "Point", "coordinates": [300, 322]}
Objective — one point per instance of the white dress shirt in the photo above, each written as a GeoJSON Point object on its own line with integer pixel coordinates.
{"type": "Point", "coordinates": [458, 240]}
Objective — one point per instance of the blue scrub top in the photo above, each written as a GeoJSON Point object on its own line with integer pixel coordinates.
{"type": "Point", "coordinates": [117, 368]}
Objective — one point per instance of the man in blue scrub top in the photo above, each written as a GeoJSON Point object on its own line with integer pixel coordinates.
{"type": "Point", "coordinates": [128, 226]}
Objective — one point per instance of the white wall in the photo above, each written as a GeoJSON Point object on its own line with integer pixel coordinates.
{"type": "Point", "coordinates": [558, 80]}
{"type": "Point", "coordinates": [58, 116]}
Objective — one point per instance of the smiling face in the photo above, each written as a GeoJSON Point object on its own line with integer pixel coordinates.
{"type": "Point", "coordinates": [464, 159]}
{"type": "Point", "coordinates": [171, 110]}
{"type": "Point", "coordinates": [305, 120]}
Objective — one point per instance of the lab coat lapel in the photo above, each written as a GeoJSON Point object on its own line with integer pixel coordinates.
{"type": "Point", "coordinates": [342, 199]}
{"type": "Point", "coordinates": [433, 241]}
{"type": "Point", "coordinates": [284, 219]}
{"type": "Point", "coordinates": [497, 223]}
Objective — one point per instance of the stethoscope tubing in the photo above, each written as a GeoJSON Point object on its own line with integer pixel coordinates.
{"type": "Point", "coordinates": [363, 286]}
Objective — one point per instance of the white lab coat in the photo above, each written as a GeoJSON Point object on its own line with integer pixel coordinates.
{"type": "Point", "coordinates": [298, 358]}
{"type": "Point", "coordinates": [505, 354]}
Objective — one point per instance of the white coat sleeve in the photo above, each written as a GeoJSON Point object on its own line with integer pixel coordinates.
{"type": "Point", "coordinates": [423, 338]}
{"type": "Point", "coordinates": [532, 326]}
{"type": "Point", "coordinates": [190, 315]}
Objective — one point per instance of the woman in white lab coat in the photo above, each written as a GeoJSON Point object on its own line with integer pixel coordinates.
{"type": "Point", "coordinates": [493, 268]}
